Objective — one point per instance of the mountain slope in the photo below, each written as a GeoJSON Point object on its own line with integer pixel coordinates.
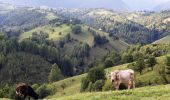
{"type": "Point", "coordinates": [111, 4]}
{"type": "Point", "coordinates": [73, 84]}
{"type": "Point", "coordinates": [165, 40]}
{"type": "Point", "coordinates": [57, 33]}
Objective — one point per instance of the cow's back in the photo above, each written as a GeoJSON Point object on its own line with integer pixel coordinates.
{"type": "Point", "coordinates": [21, 88]}
{"type": "Point", "coordinates": [126, 75]}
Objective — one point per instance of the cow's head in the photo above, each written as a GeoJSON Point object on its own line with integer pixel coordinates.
{"type": "Point", "coordinates": [114, 76]}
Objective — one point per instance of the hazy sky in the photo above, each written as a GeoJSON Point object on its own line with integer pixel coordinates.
{"type": "Point", "coordinates": [133, 4]}
{"type": "Point", "coordinates": [144, 4]}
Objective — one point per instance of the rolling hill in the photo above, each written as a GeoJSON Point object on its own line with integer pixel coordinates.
{"type": "Point", "coordinates": [165, 40]}
{"type": "Point", "coordinates": [14, 21]}
{"type": "Point", "coordinates": [133, 27]}
{"type": "Point", "coordinates": [96, 52]}
{"type": "Point", "coordinates": [73, 84]}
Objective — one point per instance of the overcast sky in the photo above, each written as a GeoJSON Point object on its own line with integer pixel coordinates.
{"type": "Point", "coordinates": [133, 4]}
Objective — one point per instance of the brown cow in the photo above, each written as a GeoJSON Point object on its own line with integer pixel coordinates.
{"type": "Point", "coordinates": [122, 76]}
{"type": "Point", "coordinates": [25, 90]}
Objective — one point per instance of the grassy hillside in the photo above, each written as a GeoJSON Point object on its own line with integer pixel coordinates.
{"type": "Point", "coordinates": [53, 32]}
{"type": "Point", "coordinates": [145, 93]}
{"type": "Point", "coordinates": [57, 32]}
{"type": "Point", "coordinates": [73, 84]}
{"type": "Point", "coordinates": [164, 40]}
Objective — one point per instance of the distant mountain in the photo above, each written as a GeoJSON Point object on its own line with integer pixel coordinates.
{"type": "Point", "coordinates": [109, 4]}
{"type": "Point", "coordinates": [164, 6]}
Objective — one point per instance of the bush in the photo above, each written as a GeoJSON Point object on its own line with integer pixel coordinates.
{"type": "Point", "coordinates": [76, 29]}
{"type": "Point", "coordinates": [84, 84]}
{"type": "Point", "coordinates": [94, 81]}
{"type": "Point", "coordinates": [43, 91]}
{"type": "Point", "coordinates": [98, 85]}
{"type": "Point", "coordinates": [35, 86]}
{"type": "Point", "coordinates": [55, 74]}
{"type": "Point", "coordinates": [151, 62]}
{"type": "Point", "coordinates": [7, 91]}
{"type": "Point", "coordinates": [90, 87]}
{"type": "Point", "coordinates": [96, 74]}
{"type": "Point", "coordinates": [107, 86]}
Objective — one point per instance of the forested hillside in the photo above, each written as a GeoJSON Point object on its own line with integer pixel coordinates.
{"type": "Point", "coordinates": [16, 21]}
{"type": "Point", "coordinates": [136, 27]}
{"type": "Point", "coordinates": [44, 45]}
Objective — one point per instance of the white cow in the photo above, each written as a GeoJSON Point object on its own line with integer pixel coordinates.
{"type": "Point", "coordinates": [122, 76]}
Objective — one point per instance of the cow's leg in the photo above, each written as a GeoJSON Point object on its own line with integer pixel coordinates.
{"type": "Point", "coordinates": [130, 84]}
{"type": "Point", "coordinates": [117, 86]}
{"type": "Point", "coordinates": [133, 84]}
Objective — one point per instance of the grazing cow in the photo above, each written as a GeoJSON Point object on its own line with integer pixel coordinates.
{"type": "Point", "coordinates": [25, 90]}
{"type": "Point", "coordinates": [122, 76]}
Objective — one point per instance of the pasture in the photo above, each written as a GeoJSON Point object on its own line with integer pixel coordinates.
{"type": "Point", "coordinates": [148, 77]}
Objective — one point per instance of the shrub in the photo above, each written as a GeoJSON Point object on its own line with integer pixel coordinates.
{"type": "Point", "coordinates": [55, 74]}
{"type": "Point", "coordinates": [76, 29]}
{"type": "Point", "coordinates": [107, 86]}
{"type": "Point", "coordinates": [90, 87]}
{"type": "Point", "coordinates": [151, 62]}
{"type": "Point", "coordinates": [35, 86]}
{"type": "Point", "coordinates": [43, 91]}
{"type": "Point", "coordinates": [96, 74]}
{"type": "Point", "coordinates": [84, 84]}
{"type": "Point", "coordinates": [139, 65]}
{"type": "Point", "coordinates": [94, 81]}
{"type": "Point", "coordinates": [98, 85]}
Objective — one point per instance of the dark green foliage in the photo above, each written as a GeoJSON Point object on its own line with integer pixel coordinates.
{"type": "Point", "coordinates": [95, 74]}
{"type": "Point", "coordinates": [84, 84]}
{"type": "Point", "coordinates": [98, 85]}
{"type": "Point", "coordinates": [100, 40]}
{"type": "Point", "coordinates": [43, 91]}
{"type": "Point", "coordinates": [7, 91]}
{"type": "Point", "coordinates": [39, 37]}
{"type": "Point", "coordinates": [127, 58]}
{"type": "Point", "coordinates": [94, 80]}
{"type": "Point", "coordinates": [20, 67]}
{"type": "Point", "coordinates": [112, 59]}
{"type": "Point", "coordinates": [151, 62]}
{"type": "Point", "coordinates": [55, 74]}
{"type": "Point", "coordinates": [140, 65]}
{"type": "Point", "coordinates": [76, 29]}
{"type": "Point", "coordinates": [107, 86]}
